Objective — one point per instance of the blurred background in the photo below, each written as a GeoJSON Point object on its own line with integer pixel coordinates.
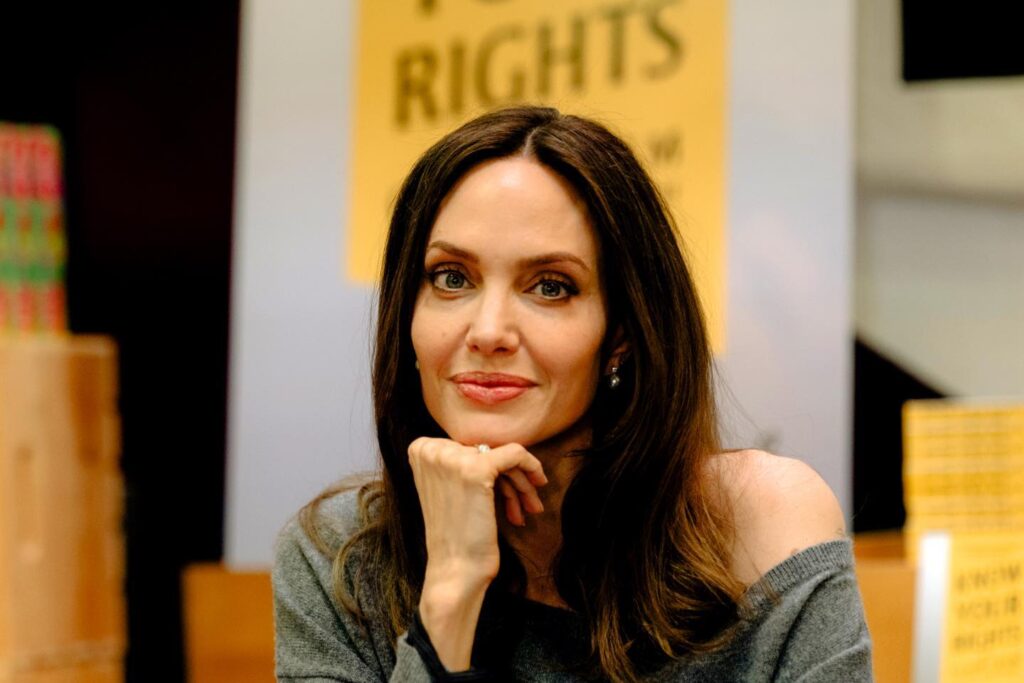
{"type": "Point", "coordinates": [874, 227]}
{"type": "Point", "coordinates": [143, 97]}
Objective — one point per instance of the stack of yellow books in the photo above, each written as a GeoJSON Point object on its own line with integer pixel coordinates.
{"type": "Point", "coordinates": [963, 465]}
{"type": "Point", "coordinates": [963, 469]}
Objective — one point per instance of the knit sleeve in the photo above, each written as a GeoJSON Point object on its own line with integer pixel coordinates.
{"type": "Point", "coordinates": [827, 638]}
{"type": "Point", "coordinates": [316, 639]}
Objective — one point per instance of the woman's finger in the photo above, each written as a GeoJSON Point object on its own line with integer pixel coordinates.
{"type": "Point", "coordinates": [512, 455]}
{"type": "Point", "coordinates": [513, 508]}
{"type": "Point", "coordinates": [527, 491]}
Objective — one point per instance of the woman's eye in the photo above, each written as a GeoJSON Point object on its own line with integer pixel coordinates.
{"type": "Point", "coordinates": [448, 280]}
{"type": "Point", "coordinates": [554, 289]}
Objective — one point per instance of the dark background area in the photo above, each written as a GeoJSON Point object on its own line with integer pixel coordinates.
{"type": "Point", "coordinates": [946, 39]}
{"type": "Point", "coordinates": [880, 388]}
{"type": "Point", "coordinates": [143, 95]}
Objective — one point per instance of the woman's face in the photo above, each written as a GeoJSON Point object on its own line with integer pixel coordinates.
{"type": "Point", "coordinates": [510, 318]}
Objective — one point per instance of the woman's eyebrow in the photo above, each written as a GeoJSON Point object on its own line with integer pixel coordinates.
{"type": "Point", "coordinates": [553, 257]}
{"type": "Point", "coordinates": [453, 250]}
{"type": "Point", "coordinates": [529, 262]}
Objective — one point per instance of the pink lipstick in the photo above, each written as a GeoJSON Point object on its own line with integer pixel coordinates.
{"type": "Point", "coordinates": [491, 388]}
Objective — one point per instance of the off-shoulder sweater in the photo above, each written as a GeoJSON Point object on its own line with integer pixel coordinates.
{"type": "Point", "coordinates": [803, 621]}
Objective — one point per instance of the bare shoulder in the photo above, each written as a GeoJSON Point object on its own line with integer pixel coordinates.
{"type": "Point", "coordinates": [780, 506]}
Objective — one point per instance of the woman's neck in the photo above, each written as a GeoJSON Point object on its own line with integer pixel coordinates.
{"type": "Point", "coordinates": [537, 543]}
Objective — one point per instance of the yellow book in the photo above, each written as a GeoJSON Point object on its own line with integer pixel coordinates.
{"type": "Point", "coordinates": [969, 616]}
{"type": "Point", "coordinates": [963, 465]}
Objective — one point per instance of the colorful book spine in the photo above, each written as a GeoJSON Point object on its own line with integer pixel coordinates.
{"type": "Point", "coordinates": [33, 252]}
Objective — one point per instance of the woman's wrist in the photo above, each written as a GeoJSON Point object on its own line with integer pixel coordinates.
{"type": "Point", "coordinates": [449, 610]}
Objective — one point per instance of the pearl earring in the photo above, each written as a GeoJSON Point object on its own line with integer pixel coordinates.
{"type": "Point", "coordinates": [613, 379]}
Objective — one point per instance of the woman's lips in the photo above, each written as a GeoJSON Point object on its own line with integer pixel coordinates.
{"type": "Point", "coordinates": [489, 395]}
{"type": "Point", "coordinates": [491, 388]}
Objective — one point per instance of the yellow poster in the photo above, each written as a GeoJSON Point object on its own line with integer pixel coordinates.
{"type": "Point", "coordinates": [651, 70]}
{"type": "Point", "coordinates": [983, 639]}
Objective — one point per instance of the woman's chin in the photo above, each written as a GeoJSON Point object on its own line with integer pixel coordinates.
{"type": "Point", "coordinates": [496, 433]}
{"type": "Point", "coordinates": [495, 440]}
{"type": "Point", "coordinates": [496, 436]}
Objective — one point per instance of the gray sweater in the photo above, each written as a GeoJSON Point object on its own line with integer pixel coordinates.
{"type": "Point", "coordinates": [813, 629]}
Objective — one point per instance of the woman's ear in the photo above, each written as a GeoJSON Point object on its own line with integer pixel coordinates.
{"type": "Point", "coordinates": [620, 350]}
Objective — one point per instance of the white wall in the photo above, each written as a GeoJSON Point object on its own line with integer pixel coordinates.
{"type": "Point", "coordinates": [940, 220]}
{"type": "Point", "coordinates": [940, 289]}
{"type": "Point", "coordinates": [299, 409]}
{"type": "Point", "coordinates": [789, 350]}
{"type": "Point", "coordinates": [299, 412]}
{"type": "Point", "coordinates": [958, 137]}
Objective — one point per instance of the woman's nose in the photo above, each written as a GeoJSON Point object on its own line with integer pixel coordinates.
{"type": "Point", "coordinates": [493, 328]}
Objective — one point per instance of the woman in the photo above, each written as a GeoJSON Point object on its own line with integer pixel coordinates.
{"type": "Point", "coordinates": [553, 504]}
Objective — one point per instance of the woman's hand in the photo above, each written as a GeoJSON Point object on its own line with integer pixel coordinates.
{"type": "Point", "coordinates": [455, 484]}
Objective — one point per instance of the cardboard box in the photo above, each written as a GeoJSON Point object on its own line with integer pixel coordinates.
{"type": "Point", "coordinates": [229, 625]}
{"type": "Point", "coordinates": [97, 672]}
{"type": "Point", "coordinates": [887, 582]}
{"type": "Point", "coordinates": [62, 611]}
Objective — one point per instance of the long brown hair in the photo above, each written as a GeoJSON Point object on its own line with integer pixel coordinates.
{"type": "Point", "coordinates": [644, 558]}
